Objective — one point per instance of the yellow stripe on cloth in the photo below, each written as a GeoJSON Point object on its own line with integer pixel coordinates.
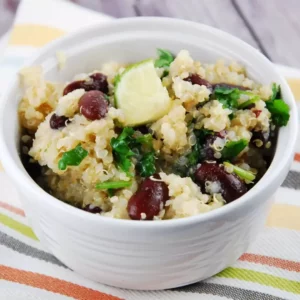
{"type": "Point", "coordinates": [17, 226]}
{"type": "Point", "coordinates": [34, 35]}
{"type": "Point", "coordinates": [294, 84]}
{"type": "Point", "coordinates": [284, 216]}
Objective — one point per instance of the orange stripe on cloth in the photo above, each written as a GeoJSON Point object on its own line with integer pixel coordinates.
{"type": "Point", "coordinates": [297, 157]}
{"type": "Point", "coordinates": [284, 216]}
{"type": "Point", "coordinates": [34, 35]}
{"type": "Point", "coordinates": [13, 209]}
{"type": "Point", "coordinates": [52, 284]}
{"type": "Point", "coordinates": [271, 261]}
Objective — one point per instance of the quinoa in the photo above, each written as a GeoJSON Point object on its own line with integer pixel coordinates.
{"type": "Point", "coordinates": [219, 127]}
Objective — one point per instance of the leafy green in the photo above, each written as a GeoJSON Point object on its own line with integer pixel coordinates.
{"type": "Point", "coordinates": [72, 158]}
{"type": "Point", "coordinates": [146, 165]}
{"type": "Point", "coordinates": [121, 149]}
{"type": "Point", "coordinates": [227, 96]}
{"type": "Point", "coordinates": [243, 174]}
{"type": "Point", "coordinates": [111, 192]}
{"type": "Point", "coordinates": [280, 111]}
{"type": "Point", "coordinates": [145, 139]}
{"type": "Point", "coordinates": [165, 58]}
{"type": "Point", "coordinates": [126, 146]}
{"type": "Point", "coordinates": [112, 185]}
{"type": "Point", "coordinates": [276, 94]}
{"type": "Point", "coordinates": [195, 155]}
{"type": "Point", "coordinates": [233, 148]}
{"type": "Point", "coordinates": [252, 100]}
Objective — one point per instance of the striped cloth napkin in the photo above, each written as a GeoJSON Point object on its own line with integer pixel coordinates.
{"type": "Point", "coordinates": [269, 270]}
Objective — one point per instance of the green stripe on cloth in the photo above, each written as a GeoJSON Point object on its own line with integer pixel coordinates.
{"type": "Point", "coordinates": [262, 278]}
{"type": "Point", "coordinates": [15, 225]}
{"type": "Point", "coordinates": [227, 291]}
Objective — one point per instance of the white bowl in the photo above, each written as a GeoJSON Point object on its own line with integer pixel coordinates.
{"type": "Point", "coordinates": [146, 255]}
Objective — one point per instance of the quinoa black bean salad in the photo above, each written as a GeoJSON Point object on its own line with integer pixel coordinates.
{"type": "Point", "coordinates": [163, 138]}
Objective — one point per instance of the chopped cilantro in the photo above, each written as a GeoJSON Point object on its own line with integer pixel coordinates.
{"type": "Point", "coordinates": [276, 94]}
{"type": "Point", "coordinates": [121, 149]}
{"type": "Point", "coordinates": [72, 158]}
{"type": "Point", "coordinates": [280, 111]}
{"type": "Point", "coordinates": [146, 165]}
{"type": "Point", "coordinates": [227, 96]}
{"type": "Point", "coordinates": [165, 58]}
{"type": "Point", "coordinates": [126, 146]}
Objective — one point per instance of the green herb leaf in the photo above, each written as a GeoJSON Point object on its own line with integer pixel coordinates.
{"type": "Point", "coordinates": [121, 149]}
{"type": "Point", "coordinates": [243, 174]}
{"type": "Point", "coordinates": [227, 96]}
{"type": "Point", "coordinates": [276, 94]}
{"type": "Point", "coordinates": [126, 146]}
{"type": "Point", "coordinates": [233, 148]}
{"type": "Point", "coordinates": [72, 158]}
{"type": "Point", "coordinates": [146, 166]}
{"type": "Point", "coordinates": [165, 58]}
{"type": "Point", "coordinates": [195, 155]}
{"type": "Point", "coordinates": [112, 185]}
{"type": "Point", "coordinates": [253, 99]}
{"type": "Point", "coordinates": [111, 192]}
{"type": "Point", "coordinates": [280, 111]}
{"type": "Point", "coordinates": [145, 139]}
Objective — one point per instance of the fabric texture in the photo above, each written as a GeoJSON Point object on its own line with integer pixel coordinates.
{"type": "Point", "coordinates": [270, 270]}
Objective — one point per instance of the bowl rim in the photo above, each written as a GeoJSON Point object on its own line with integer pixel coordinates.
{"type": "Point", "coordinates": [24, 180]}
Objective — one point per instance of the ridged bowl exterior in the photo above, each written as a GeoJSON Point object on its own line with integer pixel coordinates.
{"type": "Point", "coordinates": [146, 255]}
{"type": "Point", "coordinates": [152, 259]}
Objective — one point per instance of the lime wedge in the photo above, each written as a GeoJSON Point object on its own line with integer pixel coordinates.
{"type": "Point", "coordinates": [140, 95]}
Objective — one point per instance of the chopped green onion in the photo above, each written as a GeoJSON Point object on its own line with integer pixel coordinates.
{"type": "Point", "coordinates": [243, 174]}
{"type": "Point", "coordinates": [108, 185]}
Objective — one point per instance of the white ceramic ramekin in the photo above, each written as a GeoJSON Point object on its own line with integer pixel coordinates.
{"type": "Point", "coordinates": [146, 255]}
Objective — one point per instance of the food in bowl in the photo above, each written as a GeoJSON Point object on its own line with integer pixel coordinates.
{"type": "Point", "coordinates": [158, 139]}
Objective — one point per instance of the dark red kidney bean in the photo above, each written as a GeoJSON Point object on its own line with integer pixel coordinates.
{"type": "Point", "coordinates": [230, 86]}
{"type": "Point", "coordinates": [148, 199]}
{"type": "Point", "coordinates": [257, 112]}
{"type": "Point", "coordinates": [92, 209]}
{"type": "Point", "coordinates": [75, 85]}
{"type": "Point", "coordinates": [222, 134]}
{"type": "Point", "coordinates": [96, 82]}
{"type": "Point", "coordinates": [196, 79]}
{"type": "Point", "coordinates": [93, 105]}
{"type": "Point", "coordinates": [260, 135]}
{"type": "Point", "coordinates": [232, 187]}
{"type": "Point", "coordinates": [57, 122]}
